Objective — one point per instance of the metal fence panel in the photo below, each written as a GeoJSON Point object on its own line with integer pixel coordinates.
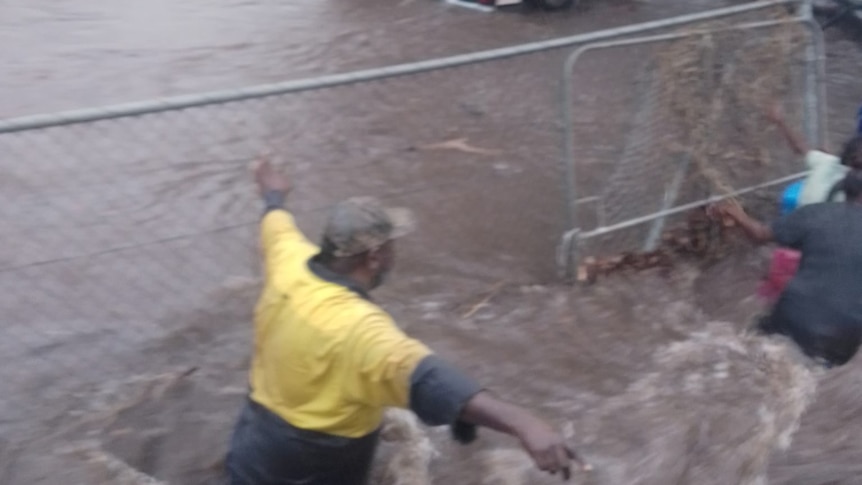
{"type": "Point", "coordinates": [119, 232]}
{"type": "Point", "coordinates": [679, 122]}
{"type": "Point", "coordinates": [125, 225]}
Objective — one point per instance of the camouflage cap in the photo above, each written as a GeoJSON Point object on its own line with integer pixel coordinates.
{"type": "Point", "coordinates": [362, 224]}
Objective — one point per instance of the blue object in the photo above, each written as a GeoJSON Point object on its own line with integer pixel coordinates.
{"type": "Point", "coordinates": [790, 197]}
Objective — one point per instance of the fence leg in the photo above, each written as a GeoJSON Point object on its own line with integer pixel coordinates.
{"type": "Point", "coordinates": [670, 196]}
{"type": "Point", "coordinates": [567, 256]}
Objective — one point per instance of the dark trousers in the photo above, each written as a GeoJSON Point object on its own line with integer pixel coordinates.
{"type": "Point", "coordinates": [821, 332]}
{"type": "Point", "coordinates": [266, 450]}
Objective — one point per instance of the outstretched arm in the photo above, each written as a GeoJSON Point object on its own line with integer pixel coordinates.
{"type": "Point", "coordinates": [279, 236]}
{"type": "Point", "coordinates": [545, 445]}
{"type": "Point", "coordinates": [790, 231]}
{"type": "Point", "coordinates": [754, 229]}
{"type": "Point", "coordinates": [794, 138]}
{"type": "Point", "coordinates": [394, 370]}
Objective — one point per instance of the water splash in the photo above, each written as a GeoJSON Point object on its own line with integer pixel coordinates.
{"type": "Point", "coordinates": [712, 409]}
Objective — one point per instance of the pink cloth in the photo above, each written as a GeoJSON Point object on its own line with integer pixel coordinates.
{"type": "Point", "coordinates": [783, 266]}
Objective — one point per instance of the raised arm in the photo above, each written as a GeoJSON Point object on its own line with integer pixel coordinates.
{"type": "Point", "coordinates": [754, 229]}
{"type": "Point", "coordinates": [279, 236]}
{"type": "Point", "coordinates": [794, 138]}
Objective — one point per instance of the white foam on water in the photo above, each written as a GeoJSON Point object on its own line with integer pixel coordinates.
{"type": "Point", "coordinates": [711, 410]}
{"type": "Point", "coordinates": [411, 453]}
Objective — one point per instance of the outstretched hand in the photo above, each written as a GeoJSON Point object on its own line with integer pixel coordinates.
{"type": "Point", "coordinates": [549, 450]}
{"type": "Point", "coordinates": [546, 447]}
{"type": "Point", "coordinates": [731, 213]}
{"type": "Point", "coordinates": [269, 179]}
{"type": "Point", "coordinates": [726, 209]}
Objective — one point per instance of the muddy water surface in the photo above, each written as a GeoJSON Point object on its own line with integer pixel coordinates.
{"type": "Point", "coordinates": [130, 270]}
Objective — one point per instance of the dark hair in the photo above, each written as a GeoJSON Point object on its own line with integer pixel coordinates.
{"type": "Point", "coordinates": [851, 156]}
{"type": "Point", "coordinates": [851, 185]}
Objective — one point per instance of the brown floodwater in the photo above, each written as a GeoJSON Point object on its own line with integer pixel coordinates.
{"type": "Point", "coordinates": [129, 265]}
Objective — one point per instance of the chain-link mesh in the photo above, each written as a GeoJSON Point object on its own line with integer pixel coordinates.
{"type": "Point", "coordinates": [129, 238]}
{"type": "Point", "coordinates": [681, 120]}
{"type": "Point", "coordinates": [124, 237]}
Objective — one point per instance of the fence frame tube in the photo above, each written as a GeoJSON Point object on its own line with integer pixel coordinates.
{"type": "Point", "coordinates": [228, 96]}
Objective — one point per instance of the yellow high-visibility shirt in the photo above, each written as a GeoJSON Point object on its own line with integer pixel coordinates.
{"type": "Point", "coordinates": [325, 357]}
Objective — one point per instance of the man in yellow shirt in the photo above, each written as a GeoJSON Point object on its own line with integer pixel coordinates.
{"type": "Point", "coordinates": [328, 361]}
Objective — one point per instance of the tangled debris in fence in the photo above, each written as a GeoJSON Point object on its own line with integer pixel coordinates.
{"type": "Point", "coordinates": [701, 237]}
{"type": "Point", "coordinates": [695, 129]}
{"type": "Point", "coordinates": [716, 87]}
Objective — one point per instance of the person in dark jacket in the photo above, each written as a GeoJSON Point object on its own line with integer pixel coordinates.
{"type": "Point", "coordinates": [821, 306]}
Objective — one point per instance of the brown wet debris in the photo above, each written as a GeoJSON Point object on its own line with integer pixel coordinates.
{"type": "Point", "coordinates": [456, 144]}
{"type": "Point", "coordinates": [491, 293]}
{"type": "Point", "coordinates": [700, 237]}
